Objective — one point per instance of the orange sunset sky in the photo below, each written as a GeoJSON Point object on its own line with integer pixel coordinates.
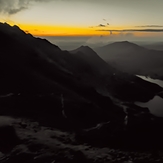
{"type": "Point", "coordinates": [139, 18]}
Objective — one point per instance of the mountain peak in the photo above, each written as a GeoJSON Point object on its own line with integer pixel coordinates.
{"type": "Point", "coordinates": [15, 32]}
{"type": "Point", "coordinates": [123, 45]}
{"type": "Point", "coordinates": [85, 47]}
{"type": "Point", "coordinates": [11, 30]}
{"type": "Point", "coordinates": [86, 50]}
{"type": "Point", "coordinates": [125, 42]}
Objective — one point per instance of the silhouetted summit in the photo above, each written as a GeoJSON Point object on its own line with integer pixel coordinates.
{"type": "Point", "coordinates": [85, 50]}
{"type": "Point", "coordinates": [6, 28]}
{"type": "Point", "coordinates": [118, 48]}
{"type": "Point", "coordinates": [89, 56]}
{"type": "Point", "coordinates": [124, 44]}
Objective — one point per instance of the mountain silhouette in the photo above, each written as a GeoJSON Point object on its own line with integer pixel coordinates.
{"type": "Point", "coordinates": [30, 64]}
{"type": "Point", "coordinates": [90, 57]}
{"type": "Point", "coordinates": [113, 81]}
{"type": "Point", "coordinates": [132, 58]}
{"type": "Point", "coordinates": [118, 48]}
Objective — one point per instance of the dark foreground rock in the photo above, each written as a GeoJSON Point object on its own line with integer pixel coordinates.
{"type": "Point", "coordinates": [49, 145]}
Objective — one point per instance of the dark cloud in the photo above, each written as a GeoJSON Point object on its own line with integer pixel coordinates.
{"type": "Point", "coordinates": [153, 26]}
{"type": "Point", "coordinates": [101, 25]}
{"type": "Point", "coordinates": [132, 30]}
{"type": "Point", "coordinates": [14, 6]}
{"type": "Point", "coordinates": [14, 11]}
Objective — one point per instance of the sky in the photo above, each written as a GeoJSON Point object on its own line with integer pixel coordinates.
{"type": "Point", "coordinates": [115, 19]}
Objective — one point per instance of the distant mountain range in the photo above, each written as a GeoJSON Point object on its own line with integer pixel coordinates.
{"type": "Point", "coordinates": [133, 59]}
{"type": "Point", "coordinates": [34, 64]}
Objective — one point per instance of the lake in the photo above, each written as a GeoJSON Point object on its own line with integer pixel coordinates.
{"type": "Point", "coordinates": [156, 104]}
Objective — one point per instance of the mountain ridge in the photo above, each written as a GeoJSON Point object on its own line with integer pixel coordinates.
{"type": "Point", "coordinates": [122, 43]}
{"type": "Point", "coordinates": [133, 59]}
{"type": "Point", "coordinates": [34, 58]}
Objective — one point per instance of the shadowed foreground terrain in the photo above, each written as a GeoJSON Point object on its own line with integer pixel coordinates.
{"type": "Point", "coordinates": [60, 106]}
{"type": "Point", "coordinates": [48, 144]}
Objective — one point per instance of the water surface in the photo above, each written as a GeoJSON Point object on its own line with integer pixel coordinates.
{"type": "Point", "coordinates": [156, 104]}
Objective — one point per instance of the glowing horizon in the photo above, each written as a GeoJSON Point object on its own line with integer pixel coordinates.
{"type": "Point", "coordinates": [114, 18]}
{"type": "Point", "coordinates": [47, 30]}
